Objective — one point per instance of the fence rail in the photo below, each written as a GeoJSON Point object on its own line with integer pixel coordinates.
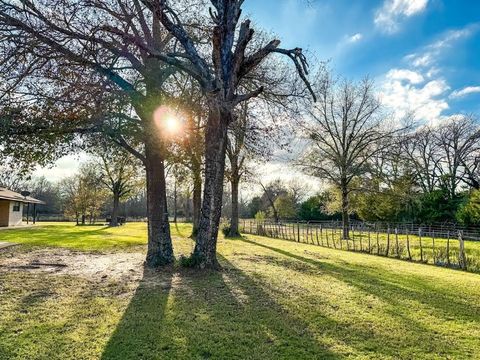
{"type": "Point", "coordinates": [447, 248]}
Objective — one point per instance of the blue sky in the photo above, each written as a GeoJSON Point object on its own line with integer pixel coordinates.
{"type": "Point", "coordinates": [423, 54]}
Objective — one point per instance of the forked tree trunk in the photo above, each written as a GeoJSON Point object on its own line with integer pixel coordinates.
{"type": "Point", "coordinates": [160, 249]}
{"type": "Point", "coordinates": [116, 204]}
{"type": "Point", "coordinates": [345, 216]}
{"type": "Point", "coordinates": [215, 148]}
{"type": "Point", "coordinates": [197, 201]}
{"type": "Point", "coordinates": [234, 218]}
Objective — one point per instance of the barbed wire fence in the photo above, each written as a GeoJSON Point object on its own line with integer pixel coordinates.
{"type": "Point", "coordinates": [439, 245]}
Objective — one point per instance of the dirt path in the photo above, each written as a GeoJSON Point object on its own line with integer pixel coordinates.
{"type": "Point", "coordinates": [118, 266]}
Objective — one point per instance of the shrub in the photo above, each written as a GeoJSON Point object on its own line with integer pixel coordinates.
{"type": "Point", "coordinates": [191, 261]}
{"type": "Point", "coordinates": [226, 229]}
{"type": "Point", "coordinates": [260, 216]}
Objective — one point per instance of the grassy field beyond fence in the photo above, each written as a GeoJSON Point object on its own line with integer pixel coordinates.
{"type": "Point", "coordinates": [447, 249]}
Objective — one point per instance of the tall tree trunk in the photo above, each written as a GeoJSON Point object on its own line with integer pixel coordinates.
{"type": "Point", "coordinates": [116, 204]}
{"type": "Point", "coordinates": [160, 249]}
{"type": "Point", "coordinates": [345, 216]}
{"type": "Point", "coordinates": [175, 201]}
{"type": "Point", "coordinates": [275, 215]}
{"type": "Point", "coordinates": [215, 148]}
{"type": "Point", "coordinates": [234, 216]}
{"type": "Point", "coordinates": [197, 201]}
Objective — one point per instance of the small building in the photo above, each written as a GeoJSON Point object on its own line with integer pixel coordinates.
{"type": "Point", "coordinates": [12, 206]}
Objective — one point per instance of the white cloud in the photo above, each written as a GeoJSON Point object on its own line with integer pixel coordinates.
{"type": "Point", "coordinates": [429, 54]}
{"type": "Point", "coordinates": [354, 38]}
{"type": "Point", "coordinates": [465, 91]}
{"type": "Point", "coordinates": [420, 60]}
{"type": "Point", "coordinates": [426, 102]}
{"type": "Point", "coordinates": [454, 35]}
{"type": "Point", "coordinates": [387, 17]}
{"type": "Point", "coordinates": [403, 74]}
{"type": "Point", "coordinates": [63, 167]}
{"type": "Point", "coordinates": [419, 88]}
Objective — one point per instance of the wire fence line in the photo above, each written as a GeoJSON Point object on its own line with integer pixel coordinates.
{"type": "Point", "coordinates": [448, 248]}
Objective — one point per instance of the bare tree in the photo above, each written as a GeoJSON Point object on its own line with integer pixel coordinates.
{"type": "Point", "coordinates": [233, 61]}
{"type": "Point", "coordinates": [423, 154]}
{"type": "Point", "coordinates": [119, 173]}
{"type": "Point", "coordinates": [346, 130]}
{"type": "Point", "coordinates": [271, 192]}
{"type": "Point", "coordinates": [12, 179]}
{"type": "Point", "coordinates": [236, 156]}
{"type": "Point", "coordinates": [459, 141]}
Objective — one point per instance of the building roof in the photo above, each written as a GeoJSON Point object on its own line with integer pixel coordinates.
{"type": "Point", "coordinates": [6, 194]}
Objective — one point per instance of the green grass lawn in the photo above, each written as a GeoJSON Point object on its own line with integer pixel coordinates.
{"type": "Point", "coordinates": [68, 235]}
{"type": "Point", "coordinates": [274, 299]}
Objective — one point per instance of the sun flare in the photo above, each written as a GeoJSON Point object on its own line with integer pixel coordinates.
{"type": "Point", "coordinates": [168, 120]}
{"type": "Point", "coordinates": [172, 124]}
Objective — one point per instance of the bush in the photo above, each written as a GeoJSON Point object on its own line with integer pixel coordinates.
{"type": "Point", "coordinates": [260, 216]}
{"type": "Point", "coordinates": [225, 229]}
{"type": "Point", "coordinates": [469, 212]}
{"type": "Point", "coordinates": [192, 261]}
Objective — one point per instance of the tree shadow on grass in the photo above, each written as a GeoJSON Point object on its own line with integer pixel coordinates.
{"type": "Point", "coordinates": [397, 290]}
{"type": "Point", "coordinates": [217, 315]}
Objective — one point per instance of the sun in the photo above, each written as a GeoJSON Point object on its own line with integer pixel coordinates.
{"type": "Point", "coordinates": [172, 124]}
{"type": "Point", "coordinates": [168, 121]}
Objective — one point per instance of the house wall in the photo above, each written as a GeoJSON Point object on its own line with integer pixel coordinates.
{"type": "Point", "coordinates": [15, 217]}
{"type": "Point", "coordinates": [4, 212]}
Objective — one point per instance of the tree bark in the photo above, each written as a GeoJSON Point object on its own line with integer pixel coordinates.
{"type": "Point", "coordinates": [197, 201]}
{"type": "Point", "coordinates": [175, 201]}
{"type": "Point", "coordinates": [116, 204]}
{"type": "Point", "coordinates": [215, 148]}
{"type": "Point", "coordinates": [234, 216]}
{"type": "Point", "coordinates": [345, 216]}
{"type": "Point", "coordinates": [160, 249]}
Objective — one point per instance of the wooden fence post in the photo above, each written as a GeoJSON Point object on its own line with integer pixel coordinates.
{"type": "Point", "coordinates": [361, 245]}
{"type": "Point", "coordinates": [333, 240]}
{"type": "Point", "coordinates": [378, 242]}
{"type": "Point", "coordinates": [462, 259]}
{"type": "Point", "coordinates": [396, 243]}
{"type": "Point", "coordinates": [369, 242]}
{"type": "Point", "coordinates": [448, 248]}
{"type": "Point", "coordinates": [298, 231]}
{"type": "Point", "coordinates": [408, 246]}
{"type": "Point", "coordinates": [332, 237]}
{"type": "Point", "coordinates": [326, 235]}
{"type": "Point", "coordinates": [353, 237]}
{"type": "Point", "coordinates": [420, 240]}
{"type": "Point", "coordinates": [387, 250]}
{"type": "Point", "coordinates": [433, 247]}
